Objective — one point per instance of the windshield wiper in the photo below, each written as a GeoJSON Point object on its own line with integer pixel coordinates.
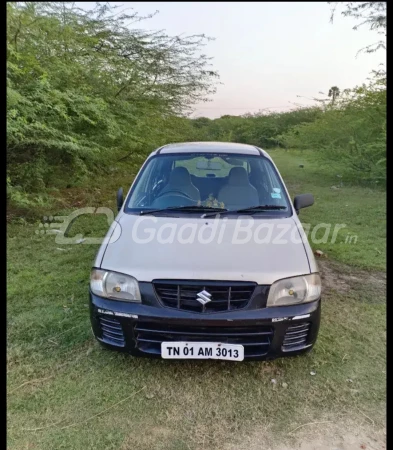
{"type": "Point", "coordinates": [184, 208]}
{"type": "Point", "coordinates": [251, 209]}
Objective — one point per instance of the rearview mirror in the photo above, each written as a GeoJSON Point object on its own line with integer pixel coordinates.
{"type": "Point", "coordinates": [303, 201]}
{"type": "Point", "coordinates": [208, 165]}
{"type": "Point", "coordinates": [120, 199]}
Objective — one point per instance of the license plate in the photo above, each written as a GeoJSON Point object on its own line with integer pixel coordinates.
{"type": "Point", "coordinates": [202, 350]}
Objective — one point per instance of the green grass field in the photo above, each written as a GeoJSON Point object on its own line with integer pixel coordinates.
{"type": "Point", "coordinates": [362, 210]}
{"type": "Point", "coordinates": [66, 392]}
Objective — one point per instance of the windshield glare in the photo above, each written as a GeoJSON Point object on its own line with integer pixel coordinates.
{"type": "Point", "coordinates": [229, 182]}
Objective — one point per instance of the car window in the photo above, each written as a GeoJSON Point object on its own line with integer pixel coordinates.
{"type": "Point", "coordinates": [225, 181]}
{"type": "Point", "coordinates": [216, 166]}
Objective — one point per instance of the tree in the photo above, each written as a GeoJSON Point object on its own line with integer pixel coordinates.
{"type": "Point", "coordinates": [352, 135]}
{"type": "Point", "coordinates": [371, 14]}
{"type": "Point", "coordinates": [334, 92]}
{"type": "Point", "coordinates": [88, 87]}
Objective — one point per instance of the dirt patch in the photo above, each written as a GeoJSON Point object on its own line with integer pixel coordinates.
{"type": "Point", "coordinates": [343, 278]}
{"type": "Point", "coordinates": [156, 437]}
{"type": "Point", "coordinates": [343, 435]}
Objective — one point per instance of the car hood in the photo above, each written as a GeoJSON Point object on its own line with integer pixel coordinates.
{"type": "Point", "coordinates": [150, 247]}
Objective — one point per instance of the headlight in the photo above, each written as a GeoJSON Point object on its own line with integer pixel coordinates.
{"type": "Point", "coordinates": [291, 291]}
{"type": "Point", "coordinates": [113, 285]}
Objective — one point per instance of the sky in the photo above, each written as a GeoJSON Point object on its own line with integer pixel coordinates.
{"type": "Point", "coordinates": [268, 53]}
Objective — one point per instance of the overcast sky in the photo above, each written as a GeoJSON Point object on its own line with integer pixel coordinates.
{"type": "Point", "coordinates": [268, 53]}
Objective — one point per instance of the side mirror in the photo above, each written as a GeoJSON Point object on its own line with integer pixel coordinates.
{"type": "Point", "coordinates": [120, 199]}
{"type": "Point", "coordinates": [303, 201]}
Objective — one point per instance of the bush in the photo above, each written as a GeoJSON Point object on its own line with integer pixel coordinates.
{"type": "Point", "coordinates": [352, 133]}
{"type": "Point", "coordinates": [83, 89]}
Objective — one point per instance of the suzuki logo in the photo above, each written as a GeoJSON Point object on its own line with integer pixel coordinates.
{"type": "Point", "coordinates": [203, 297]}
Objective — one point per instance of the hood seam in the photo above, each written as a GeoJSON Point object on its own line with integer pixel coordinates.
{"type": "Point", "coordinates": [305, 250]}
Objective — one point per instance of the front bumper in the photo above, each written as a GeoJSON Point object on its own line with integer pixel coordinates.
{"type": "Point", "coordinates": [266, 333]}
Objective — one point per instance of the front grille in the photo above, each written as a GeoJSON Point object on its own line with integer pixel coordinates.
{"type": "Point", "coordinates": [296, 337]}
{"type": "Point", "coordinates": [225, 296]}
{"type": "Point", "coordinates": [112, 332]}
{"type": "Point", "coordinates": [256, 339]}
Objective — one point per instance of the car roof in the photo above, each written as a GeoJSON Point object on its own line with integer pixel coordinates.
{"type": "Point", "coordinates": [210, 147]}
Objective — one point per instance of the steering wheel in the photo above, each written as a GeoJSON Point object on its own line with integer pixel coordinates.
{"type": "Point", "coordinates": [177, 191]}
{"type": "Point", "coordinates": [157, 186]}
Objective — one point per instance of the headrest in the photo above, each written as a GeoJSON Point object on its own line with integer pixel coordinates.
{"type": "Point", "coordinates": [238, 176]}
{"type": "Point", "coordinates": [180, 176]}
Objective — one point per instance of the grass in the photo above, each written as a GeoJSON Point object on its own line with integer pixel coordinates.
{"type": "Point", "coordinates": [66, 392]}
{"type": "Point", "coordinates": [361, 209]}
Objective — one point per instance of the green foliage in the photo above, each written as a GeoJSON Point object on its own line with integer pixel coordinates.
{"type": "Point", "coordinates": [87, 89]}
{"type": "Point", "coordinates": [334, 92]}
{"type": "Point", "coordinates": [371, 14]}
{"type": "Point", "coordinates": [84, 89]}
{"type": "Point", "coordinates": [259, 129]}
{"type": "Point", "coordinates": [351, 133]}
{"type": "Point", "coordinates": [348, 131]}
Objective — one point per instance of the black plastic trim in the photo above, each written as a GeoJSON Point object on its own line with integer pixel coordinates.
{"type": "Point", "coordinates": [159, 150]}
{"type": "Point", "coordinates": [257, 300]}
{"type": "Point", "coordinates": [142, 313]}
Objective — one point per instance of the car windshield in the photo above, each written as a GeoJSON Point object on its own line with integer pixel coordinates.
{"type": "Point", "coordinates": [203, 181]}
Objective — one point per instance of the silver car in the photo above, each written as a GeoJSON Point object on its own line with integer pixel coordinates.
{"type": "Point", "coordinates": [207, 259]}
